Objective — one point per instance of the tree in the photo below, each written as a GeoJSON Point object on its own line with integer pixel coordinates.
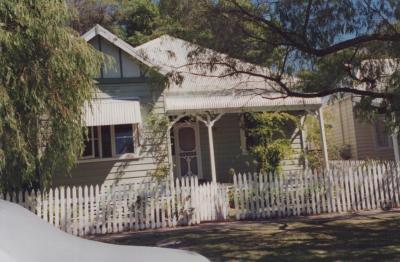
{"type": "Point", "coordinates": [313, 48]}
{"type": "Point", "coordinates": [269, 138]}
{"type": "Point", "coordinates": [46, 75]}
{"type": "Point", "coordinates": [87, 13]}
{"type": "Point", "coordinates": [136, 21]}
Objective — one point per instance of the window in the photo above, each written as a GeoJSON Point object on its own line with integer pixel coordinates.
{"type": "Point", "coordinates": [118, 141]}
{"type": "Point", "coordinates": [106, 141]}
{"type": "Point", "coordinates": [123, 139]}
{"type": "Point", "coordinates": [91, 147]}
{"type": "Point", "coordinates": [382, 138]}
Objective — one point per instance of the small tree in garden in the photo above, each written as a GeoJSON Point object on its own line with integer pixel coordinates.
{"type": "Point", "coordinates": [269, 138]}
{"type": "Point", "coordinates": [46, 75]}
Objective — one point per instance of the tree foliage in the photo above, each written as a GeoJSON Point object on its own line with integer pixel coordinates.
{"type": "Point", "coordinates": [314, 48]}
{"type": "Point", "coordinates": [46, 74]}
{"type": "Point", "coordinates": [269, 134]}
{"type": "Point", "coordinates": [84, 14]}
{"type": "Point", "coordinates": [322, 47]}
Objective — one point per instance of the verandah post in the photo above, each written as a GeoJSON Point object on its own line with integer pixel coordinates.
{"type": "Point", "coordinates": [323, 138]}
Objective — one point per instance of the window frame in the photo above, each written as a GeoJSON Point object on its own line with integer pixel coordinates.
{"type": "Point", "coordinates": [114, 156]}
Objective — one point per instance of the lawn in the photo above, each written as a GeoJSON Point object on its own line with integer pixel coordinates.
{"type": "Point", "coordinates": [367, 236]}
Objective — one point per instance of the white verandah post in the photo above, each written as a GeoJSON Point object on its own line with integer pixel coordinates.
{"type": "Point", "coordinates": [396, 146]}
{"type": "Point", "coordinates": [209, 124]}
{"type": "Point", "coordinates": [323, 138]}
{"type": "Point", "coordinates": [304, 138]}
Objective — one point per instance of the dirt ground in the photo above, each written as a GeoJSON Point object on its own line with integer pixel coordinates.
{"type": "Point", "coordinates": [366, 236]}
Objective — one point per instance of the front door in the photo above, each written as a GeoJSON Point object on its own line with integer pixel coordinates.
{"type": "Point", "coordinates": [187, 146]}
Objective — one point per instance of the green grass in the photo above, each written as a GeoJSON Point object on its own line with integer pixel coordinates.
{"type": "Point", "coordinates": [368, 237]}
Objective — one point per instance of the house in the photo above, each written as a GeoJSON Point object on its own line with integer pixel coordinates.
{"type": "Point", "coordinates": [358, 139]}
{"type": "Point", "coordinates": [204, 130]}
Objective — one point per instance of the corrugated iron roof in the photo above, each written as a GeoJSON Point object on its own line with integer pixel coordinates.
{"type": "Point", "coordinates": [103, 112]}
{"type": "Point", "coordinates": [181, 103]}
{"type": "Point", "coordinates": [203, 88]}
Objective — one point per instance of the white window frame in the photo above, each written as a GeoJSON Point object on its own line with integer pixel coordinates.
{"type": "Point", "coordinates": [115, 156]}
{"type": "Point", "coordinates": [376, 143]}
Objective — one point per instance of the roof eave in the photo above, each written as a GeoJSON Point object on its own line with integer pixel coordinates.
{"type": "Point", "coordinates": [281, 108]}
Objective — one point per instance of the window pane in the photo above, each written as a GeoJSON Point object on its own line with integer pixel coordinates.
{"type": "Point", "coordinates": [106, 141]}
{"type": "Point", "coordinates": [88, 149]}
{"type": "Point", "coordinates": [96, 141]}
{"type": "Point", "coordinates": [123, 139]}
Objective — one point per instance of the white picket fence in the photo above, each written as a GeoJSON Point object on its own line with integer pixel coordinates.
{"type": "Point", "coordinates": [353, 188]}
{"type": "Point", "coordinates": [109, 209]}
{"type": "Point", "coordinates": [357, 163]}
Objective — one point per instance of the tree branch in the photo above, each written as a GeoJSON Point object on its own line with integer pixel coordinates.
{"type": "Point", "coordinates": [307, 18]}
{"type": "Point", "coordinates": [299, 42]}
{"type": "Point", "coordinates": [286, 90]}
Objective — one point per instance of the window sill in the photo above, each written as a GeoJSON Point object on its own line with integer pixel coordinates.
{"type": "Point", "coordinates": [126, 157]}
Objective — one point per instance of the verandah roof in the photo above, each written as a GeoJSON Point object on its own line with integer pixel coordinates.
{"type": "Point", "coordinates": [177, 103]}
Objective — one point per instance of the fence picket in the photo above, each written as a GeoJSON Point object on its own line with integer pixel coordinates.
{"type": "Point", "coordinates": [352, 190]}
{"type": "Point", "coordinates": [297, 195]}
{"type": "Point", "coordinates": [45, 206]}
{"type": "Point", "coordinates": [268, 199]}
{"type": "Point", "coordinates": [357, 187]}
{"type": "Point", "coordinates": [80, 212]}
{"type": "Point", "coordinates": [396, 183]}
{"type": "Point", "coordinates": [38, 203]}
{"type": "Point", "coordinates": [98, 214]}
{"type": "Point", "coordinates": [56, 208]}
{"type": "Point", "coordinates": [381, 186]}
{"type": "Point", "coordinates": [92, 211]}
{"type": "Point", "coordinates": [317, 191]}
{"type": "Point", "coordinates": [342, 191]}
{"type": "Point", "coordinates": [393, 185]}
{"type": "Point", "coordinates": [68, 211]}
{"type": "Point", "coordinates": [371, 186]}
{"type": "Point", "coordinates": [50, 203]}
{"type": "Point", "coordinates": [168, 205]}
{"type": "Point", "coordinates": [85, 210]}
{"type": "Point", "coordinates": [367, 196]}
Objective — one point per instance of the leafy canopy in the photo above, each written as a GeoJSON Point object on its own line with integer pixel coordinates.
{"type": "Point", "coordinates": [46, 74]}
{"type": "Point", "coordinates": [322, 47]}
{"type": "Point", "coordinates": [269, 135]}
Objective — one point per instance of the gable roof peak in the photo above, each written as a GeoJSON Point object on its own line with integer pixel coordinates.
{"type": "Point", "coordinates": [98, 30]}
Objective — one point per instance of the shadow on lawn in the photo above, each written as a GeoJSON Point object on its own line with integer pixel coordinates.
{"type": "Point", "coordinates": [367, 238]}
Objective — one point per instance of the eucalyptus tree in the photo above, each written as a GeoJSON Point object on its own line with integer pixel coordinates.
{"type": "Point", "coordinates": [314, 48]}
{"type": "Point", "coordinates": [46, 75]}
